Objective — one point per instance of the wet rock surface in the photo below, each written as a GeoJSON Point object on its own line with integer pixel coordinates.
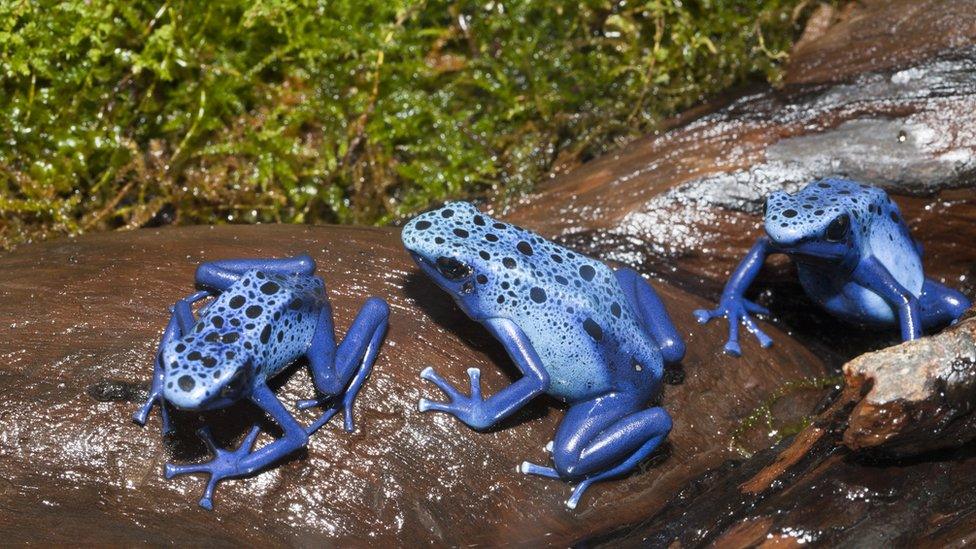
{"type": "Point", "coordinates": [82, 321]}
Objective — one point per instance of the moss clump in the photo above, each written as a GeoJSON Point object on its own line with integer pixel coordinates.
{"type": "Point", "coordinates": [116, 111]}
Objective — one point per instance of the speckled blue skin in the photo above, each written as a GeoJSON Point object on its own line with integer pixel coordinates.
{"type": "Point", "coordinates": [266, 313]}
{"type": "Point", "coordinates": [577, 330]}
{"type": "Point", "coordinates": [855, 258]}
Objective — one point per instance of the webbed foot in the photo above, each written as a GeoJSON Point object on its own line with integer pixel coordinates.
{"type": "Point", "coordinates": [469, 409]}
{"type": "Point", "coordinates": [736, 310]}
{"type": "Point", "coordinates": [226, 464]}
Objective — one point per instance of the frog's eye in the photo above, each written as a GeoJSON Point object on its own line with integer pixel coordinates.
{"type": "Point", "coordinates": [838, 228]}
{"type": "Point", "coordinates": [765, 207]}
{"type": "Point", "coordinates": [452, 269]}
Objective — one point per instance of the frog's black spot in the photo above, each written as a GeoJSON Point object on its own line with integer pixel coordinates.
{"type": "Point", "coordinates": [236, 302]}
{"type": "Point", "coordinates": [447, 213]}
{"type": "Point", "coordinates": [295, 304]}
{"type": "Point", "coordinates": [505, 285]}
{"type": "Point", "coordinates": [823, 185]}
{"type": "Point", "coordinates": [230, 355]}
{"type": "Point", "coordinates": [254, 311]}
{"type": "Point", "coordinates": [281, 336]}
{"type": "Point", "coordinates": [524, 247]}
{"type": "Point", "coordinates": [230, 337]}
{"type": "Point", "coordinates": [277, 315]}
{"type": "Point", "coordinates": [212, 337]}
{"type": "Point", "coordinates": [422, 225]}
{"type": "Point", "coordinates": [894, 217]}
{"type": "Point", "coordinates": [198, 328]}
{"type": "Point", "coordinates": [266, 333]}
{"type": "Point", "coordinates": [482, 279]}
{"type": "Point", "coordinates": [508, 262]}
{"type": "Point", "coordinates": [587, 272]}
{"type": "Point", "coordinates": [174, 365]}
{"type": "Point", "coordinates": [501, 299]}
{"type": "Point", "coordinates": [248, 345]}
{"type": "Point", "coordinates": [194, 355]}
{"type": "Point", "coordinates": [461, 233]}
{"type": "Point", "coordinates": [269, 288]}
{"type": "Point", "coordinates": [484, 255]}
{"type": "Point", "coordinates": [180, 348]}
{"type": "Point", "coordinates": [235, 322]}
{"type": "Point", "coordinates": [491, 237]}
{"type": "Point", "coordinates": [562, 280]}
{"type": "Point", "coordinates": [499, 226]}
{"type": "Point", "coordinates": [615, 309]}
{"type": "Point", "coordinates": [260, 275]}
{"type": "Point", "coordinates": [186, 383]}
{"type": "Point", "coordinates": [557, 258]}
{"type": "Point", "coordinates": [209, 361]}
{"type": "Point", "coordinates": [789, 213]}
{"type": "Point", "coordinates": [217, 321]}
{"type": "Point", "coordinates": [537, 294]}
{"type": "Point", "coordinates": [818, 212]}
{"type": "Point", "coordinates": [438, 240]}
{"type": "Point", "coordinates": [594, 329]}
{"type": "Point", "coordinates": [479, 221]}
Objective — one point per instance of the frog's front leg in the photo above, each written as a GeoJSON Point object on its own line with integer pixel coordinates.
{"type": "Point", "coordinates": [603, 438]}
{"type": "Point", "coordinates": [243, 462]}
{"type": "Point", "coordinates": [180, 321]}
{"type": "Point", "coordinates": [652, 314]}
{"type": "Point", "coordinates": [481, 414]}
{"type": "Point", "coordinates": [734, 306]}
{"type": "Point", "coordinates": [343, 370]}
{"type": "Point", "coordinates": [871, 274]}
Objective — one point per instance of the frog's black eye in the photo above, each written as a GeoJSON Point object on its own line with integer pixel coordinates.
{"type": "Point", "coordinates": [838, 228]}
{"type": "Point", "coordinates": [452, 269]}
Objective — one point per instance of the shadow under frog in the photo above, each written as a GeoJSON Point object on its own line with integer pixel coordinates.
{"type": "Point", "coordinates": [577, 330]}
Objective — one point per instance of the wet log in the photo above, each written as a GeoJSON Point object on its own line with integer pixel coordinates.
{"type": "Point", "coordinates": [82, 321]}
{"type": "Point", "coordinates": [890, 462]}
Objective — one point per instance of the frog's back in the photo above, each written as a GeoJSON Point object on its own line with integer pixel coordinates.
{"type": "Point", "coordinates": [579, 321]}
{"type": "Point", "coordinates": [891, 244]}
{"type": "Point", "coordinates": [269, 316]}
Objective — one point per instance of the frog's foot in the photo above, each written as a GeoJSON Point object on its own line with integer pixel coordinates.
{"type": "Point", "coordinates": [142, 414]}
{"type": "Point", "coordinates": [469, 409]}
{"type": "Point", "coordinates": [226, 464]}
{"type": "Point", "coordinates": [331, 410]}
{"type": "Point", "coordinates": [736, 310]}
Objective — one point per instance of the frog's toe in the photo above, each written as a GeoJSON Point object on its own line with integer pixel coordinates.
{"type": "Point", "coordinates": [529, 468]}
{"type": "Point", "coordinates": [732, 347]}
{"type": "Point", "coordinates": [577, 494]}
{"type": "Point", "coordinates": [425, 405]}
{"type": "Point", "coordinates": [308, 403]}
{"type": "Point", "coordinates": [430, 375]}
{"type": "Point", "coordinates": [704, 315]}
{"type": "Point", "coordinates": [755, 308]}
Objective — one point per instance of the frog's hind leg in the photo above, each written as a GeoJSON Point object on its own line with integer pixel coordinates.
{"type": "Point", "coordinates": [221, 274]}
{"type": "Point", "coordinates": [244, 462]}
{"type": "Point", "coordinates": [940, 305]}
{"type": "Point", "coordinates": [653, 316]}
{"type": "Point", "coordinates": [343, 370]}
{"type": "Point", "coordinates": [603, 438]}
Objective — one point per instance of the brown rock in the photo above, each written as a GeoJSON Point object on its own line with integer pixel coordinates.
{"type": "Point", "coordinates": [82, 318]}
{"type": "Point", "coordinates": [918, 396]}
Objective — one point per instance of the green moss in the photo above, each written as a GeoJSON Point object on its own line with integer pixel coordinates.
{"type": "Point", "coordinates": [340, 111]}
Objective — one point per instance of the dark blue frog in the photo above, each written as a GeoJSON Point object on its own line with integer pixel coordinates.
{"type": "Point", "coordinates": [578, 330]}
{"type": "Point", "coordinates": [855, 258]}
{"type": "Point", "coordinates": [265, 314]}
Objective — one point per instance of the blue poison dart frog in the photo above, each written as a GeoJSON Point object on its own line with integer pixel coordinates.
{"type": "Point", "coordinates": [854, 256]}
{"type": "Point", "coordinates": [265, 314]}
{"type": "Point", "coordinates": [577, 330]}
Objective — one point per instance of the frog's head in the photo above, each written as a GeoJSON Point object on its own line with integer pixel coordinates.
{"type": "Point", "coordinates": [819, 224]}
{"type": "Point", "coordinates": [204, 375]}
{"type": "Point", "coordinates": [464, 251]}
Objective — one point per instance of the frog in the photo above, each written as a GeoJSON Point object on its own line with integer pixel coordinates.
{"type": "Point", "coordinates": [591, 336]}
{"type": "Point", "coordinates": [855, 258]}
{"type": "Point", "coordinates": [261, 315]}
